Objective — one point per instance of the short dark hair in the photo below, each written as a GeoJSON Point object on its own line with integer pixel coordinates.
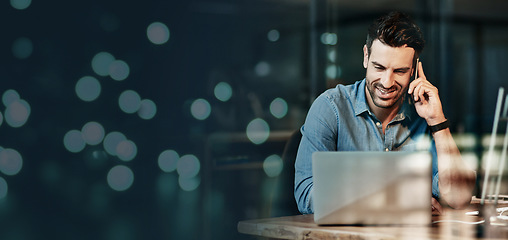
{"type": "Point", "coordinates": [396, 29]}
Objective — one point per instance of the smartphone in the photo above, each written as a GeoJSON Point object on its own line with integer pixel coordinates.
{"type": "Point", "coordinates": [415, 74]}
{"type": "Point", "coordinates": [416, 69]}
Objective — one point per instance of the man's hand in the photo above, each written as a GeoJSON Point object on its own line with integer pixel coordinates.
{"type": "Point", "coordinates": [436, 208]}
{"type": "Point", "coordinates": [426, 98]}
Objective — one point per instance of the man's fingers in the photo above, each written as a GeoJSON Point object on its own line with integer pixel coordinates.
{"type": "Point", "coordinates": [436, 207]}
{"type": "Point", "coordinates": [421, 74]}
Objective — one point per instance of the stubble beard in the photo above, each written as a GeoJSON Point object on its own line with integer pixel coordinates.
{"type": "Point", "coordinates": [385, 104]}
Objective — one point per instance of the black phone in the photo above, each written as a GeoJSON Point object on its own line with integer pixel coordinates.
{"type": "Point", "coordinates": [415, 74]}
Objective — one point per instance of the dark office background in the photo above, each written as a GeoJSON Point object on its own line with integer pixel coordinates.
{"type": "Point", "coordinates": [169, 119]}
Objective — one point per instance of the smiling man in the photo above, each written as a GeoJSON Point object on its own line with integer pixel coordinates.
{"type": "Point", "coordinates": [386, 111]}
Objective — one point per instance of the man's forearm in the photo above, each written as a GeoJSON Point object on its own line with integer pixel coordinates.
{"type": "Point", "coordinates": [456, 180]}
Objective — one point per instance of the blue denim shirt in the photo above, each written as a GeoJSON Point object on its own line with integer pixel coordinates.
{"type": "Point", "coordinates": [340, 120]}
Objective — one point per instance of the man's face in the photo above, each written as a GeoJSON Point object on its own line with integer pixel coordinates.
{"type": "Point", "coordinates": [389, 70]}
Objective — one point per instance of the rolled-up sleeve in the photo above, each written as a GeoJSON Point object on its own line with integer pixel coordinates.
{"type": "Point", "coordinates": [435, 175]}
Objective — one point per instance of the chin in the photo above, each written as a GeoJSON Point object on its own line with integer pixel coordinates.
{"type": "Point", "coordinates": [385, 104]}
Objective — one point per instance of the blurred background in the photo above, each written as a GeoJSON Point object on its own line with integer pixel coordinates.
{"type": "Point", "coordinates": [173, 119]}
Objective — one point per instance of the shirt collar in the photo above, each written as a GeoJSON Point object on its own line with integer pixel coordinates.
{"type": "Point", "coordinates": [360, 105]}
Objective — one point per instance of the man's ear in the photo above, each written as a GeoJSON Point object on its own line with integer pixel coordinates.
{"type": "Point", "coordinates": [365, 56]}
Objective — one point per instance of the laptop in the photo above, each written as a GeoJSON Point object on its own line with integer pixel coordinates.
{"type": "Point", "coordinates": [365, 188]}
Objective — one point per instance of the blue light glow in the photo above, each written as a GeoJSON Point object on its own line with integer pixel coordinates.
{"type": "Point", "coordinates": [73, 141]}
{"type": "Point", "coordinates": [188, 166]}
{"type": "Point", "coordinates": [333, 71]}
{"type": "Point", "coordinates": [168, 160]}
{"type": "Point", "coordinates": [258, 131]}
{"type": "Point", "coordinates": [129, 101]}
{"type": "Point", "coordinates": [101, 62]}
{"type": "Point", "coordinates": [93, 133]}
{"type": "Point", "coordinates": [17, 113]}
{"type": "Point", "coordinates": [273, 165]}
{"type": "Point", "coordinates": [189, 184]}
{"type": "Point", "coordinates": [119, 70]}
{"type": "Point", "coordinates": [223, 91]}
{"type": "Point", "coordinates": [273, 35]}
{"type": "Point", "coordinates": [201, 109]}
{"type": "Point", "coordinates": [10, 96]}
{"type": "Point", "coordinates": [111, 141]}
{"type": "Point", "coordinates": [126, 150]}
{"type": "Point", "coordinates": [329, 38]}
{"type": "Point", "coordinates": [88, 88]}
{"type": "Point", "coordinates": [11, 162]}
{"type": "Point", "coordinates": [147, 109]}
{"type": "Point", "coordinates": [21, 4]}
{"type": "Point", "coordinates": [262, 69]}
{"type": "Point", "coordinates": [157, 33]}
{"type": "Point", "coordinates": [279, 108]}
{"type": "Point", "coordinates": [22, 48]}
{"type": "Point", "coordinates": [120, 178]}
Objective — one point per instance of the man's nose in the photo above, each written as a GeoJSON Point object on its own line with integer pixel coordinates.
{"type": "Point", "coordinates": [387, 80]}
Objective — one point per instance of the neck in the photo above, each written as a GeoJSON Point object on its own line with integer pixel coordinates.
{"type": "Point", "coordinates": [385, 115]}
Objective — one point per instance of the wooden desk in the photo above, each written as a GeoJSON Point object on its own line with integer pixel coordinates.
{"type": "Point", "coordinates": [303, 227]}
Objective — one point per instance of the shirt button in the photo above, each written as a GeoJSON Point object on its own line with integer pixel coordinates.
{"type": "Point", "coordinates": [378, 124]}
{"type": "Point", "coordinates": [386, 149]}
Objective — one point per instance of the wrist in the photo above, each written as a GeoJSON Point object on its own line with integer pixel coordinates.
{"type": "Point", "coordinates": [440, 126]}
{"type": "Point", "coordinates": [435, 120]}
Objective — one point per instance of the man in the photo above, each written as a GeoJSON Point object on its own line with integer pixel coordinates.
{"type": "Point", "coordinates": [386, 111]}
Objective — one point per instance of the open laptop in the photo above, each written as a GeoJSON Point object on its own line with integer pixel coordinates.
{"type": "Point", "coordinates": [372, 187]}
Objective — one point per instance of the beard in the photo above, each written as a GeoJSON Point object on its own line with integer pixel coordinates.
{"type": "Point", "coordinates": [385, 97]}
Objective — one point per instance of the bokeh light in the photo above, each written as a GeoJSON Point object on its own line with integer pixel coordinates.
{"type": "Point", "coordinates": [88, 88]}
{"type": "Point", "coordinates": [129, 101]}
{"type": "Point", "coordinates": [11, 161]}
{"type": "Point", "coordinates": [147, 109]}
{"type": "Point", "coordinates": [3, 188]}
{"type": "Point", "coordinates": [329, 38]}
{"type": "Point", "coordinates": [73, 141]}
{"type": "Point", "coordinates": [22, 48]}
{"type": "Point", "coordinates": [258, 131]}
{"type": "Point", "coordinates": [111, 141]}
{"type": "Point", "coordinates": [223, 91]}
{"type": "Point", "coordinates": [157, 33]}
{"type": "Point", "coordinates": [167, 160]}
{"type": "Point", "coordinates": [10, 96]}
{"type": "Point", "coordinates": [21, 4]}
{"type": "Point", "coordinates": [262, 69]}
{"type": "Point", "coordinates": [188, 166]}
{"type": "Point", "coordinates": [101, 62]}
{"type": "Point", "coordinates": [273, 165]}
{"type": "Point", "coordinates": [119, 70]}
{"type": "Point", "coordinates": [189, 184]}
{"type": "Point", "coordinates": [332, 55]}
{"type": "Point", "coordinates": [279, 108]}
{"type": "Point", "coordinates": [17, 113]}
{"type": "Point", "coordinates": [120, 178]}
{"type": "Point", "coordinates": [333, 71]}
{"type": "Point", "coordinates": [93, 133]}
{"type": "Point", "coordinates": [273, 35]}
{"type": "Point", "coordinates": [126, 150]}
{"type": "Point", "coordinates": [200, 109]}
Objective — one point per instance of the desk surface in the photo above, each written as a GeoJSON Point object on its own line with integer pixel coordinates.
{"type": "Point", "coordinates": [303, 227]}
